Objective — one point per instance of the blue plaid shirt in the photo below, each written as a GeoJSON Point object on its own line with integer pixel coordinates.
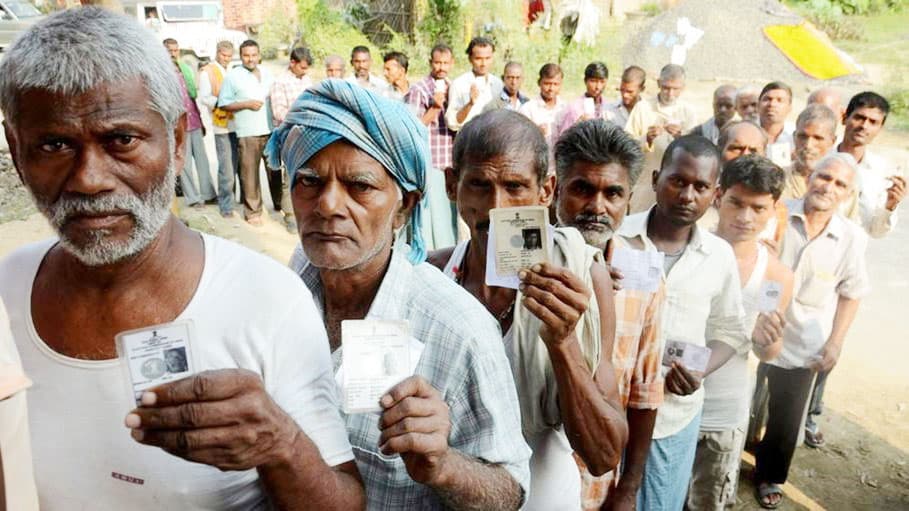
{"type": "Point", "coordinates": [463, 358]}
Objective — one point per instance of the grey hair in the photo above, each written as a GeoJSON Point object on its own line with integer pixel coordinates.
{"type": "Point", "coordinates": [334, 58]}
{"type": "Point", "coordinates": [598, 142]}
{"type": "Point", "coordinates": [817, 113]}
{"type": "Point", "coordinates": [72, 51]}
{"type": "Point", "coordinates": [747, 90]}
{"type": "Point", "coordinates": [672, 72]}
{"type": "Point", "coordinates": [845, 159]}
{"type": "Point", "coordinates": [225, 45]}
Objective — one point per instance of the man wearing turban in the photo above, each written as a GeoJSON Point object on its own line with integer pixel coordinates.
{"type": "Point", "coordinates": [450, 435]}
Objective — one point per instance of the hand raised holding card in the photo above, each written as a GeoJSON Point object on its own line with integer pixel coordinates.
{"type": "Point", "coordinates": [557, 297]}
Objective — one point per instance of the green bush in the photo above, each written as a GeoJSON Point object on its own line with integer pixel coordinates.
{"type": "Point", "coordinates": [830, 16]}
{"type": "Point", "coordinates": [325, 31]}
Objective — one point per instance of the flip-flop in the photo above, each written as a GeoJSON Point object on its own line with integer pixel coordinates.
{"type": "Point", "coordinates": [764, 490]}
{"type": "Point", "coordinates": [814, 439]}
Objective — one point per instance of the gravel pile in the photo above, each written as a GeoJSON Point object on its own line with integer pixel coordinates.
{"type": "Point", "coordinates": [733, 46]}
{"type": "Point", "coordinates": [15, 202]}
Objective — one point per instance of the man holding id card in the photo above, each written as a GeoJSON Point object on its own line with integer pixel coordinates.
{"type": "Point", "coordinates": [702, 315]}
{"type": "Point", "coordinates": [429, 404]}
{"type": "Point", "coordinates": [552, 297]}
{"type": "Point", "coordinates": [221, 397]}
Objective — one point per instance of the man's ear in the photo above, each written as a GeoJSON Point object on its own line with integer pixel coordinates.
{"type": "Point", "coordinates": [408, 202]}
{"type": "Point", "coordinates": [654, 178]}
{"type": "Point", "coordinates": [13, 147]}
{"type": "Point", "coordinates": [179, 156]}
{"type": "Point", "coordinates": [451, 183]}
{"type": "Point", "coordinates": [717, 196]}
{"type": "Point", "coordinates": [547, 189]}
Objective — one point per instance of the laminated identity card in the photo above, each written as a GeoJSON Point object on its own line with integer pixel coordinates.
{"type": "Point", "coordinates": [641, 269]}
{"type": "Point", "coordinates": [375, 357]}
{"type": "Point", "coordinates": [156, 355]}
{"type": "Point", "coordinates": [692, 356]}
{"type": "Point", "coordinates": [769, 296]}
{"type": "Point", "coordinates": [518, 238]}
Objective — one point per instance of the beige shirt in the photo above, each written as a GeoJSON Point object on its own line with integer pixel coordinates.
{"type": "Point", "coordinates": [825, 268]}
{"type": "Point", "coordinates": [15, 447]}
{"type": "Point", "coordinates": [649, 112]}
{"type": "Point", "coordinates": [868, 205]}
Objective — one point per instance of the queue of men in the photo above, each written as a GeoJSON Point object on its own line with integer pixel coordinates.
{"type": "Point", "coordinates": [556, 394]}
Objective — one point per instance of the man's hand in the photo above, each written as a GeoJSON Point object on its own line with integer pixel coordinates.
{"type": "Point", "coordinates": [674, 130]}
{"type": "Point", "coordinates": [620, 500]}
{"type": "Point", "coordinates": [557, 297]}
{"type": "Point", "coordinates": [827, 358]}
{"type": "Point", "coordinates": [221, 418]}
{"type": "Point", "coordinates": [896, 193]}
{"type": "Point", "coordinates": [415, 424]}
{"type": "Point", "coordinates": [617, 277]}
{"type": "Point", "coordinates": [681, 381]}
{"type": "Point", "coordinates": [439, 99]}
{"type": "Point", "coordinates": [768, 329]}
{"type": "Point", "coordinates": [652, 133]}
{"type": "Point", "coordinates": [253, 104]}
{"type": "Point", "coordinates": [474, 92]}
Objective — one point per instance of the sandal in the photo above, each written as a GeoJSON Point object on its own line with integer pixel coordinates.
{"type": "Point", "coordinates": [814, 439]}
{"type": "Point", "coordinates": [765, 490]}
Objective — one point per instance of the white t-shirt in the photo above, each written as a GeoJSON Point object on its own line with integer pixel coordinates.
{"type": "Point", "coordinates": [15, 449]}
{"type": "Point", "coordinates": [249, 312]}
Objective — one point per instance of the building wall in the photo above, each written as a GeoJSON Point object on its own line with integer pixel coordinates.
{"type": "Point", "coordinates": [243, 14]}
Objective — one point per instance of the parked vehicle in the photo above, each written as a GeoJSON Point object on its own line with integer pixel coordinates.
{"type": "Point", "coordinates": [198, 25]}
{"type": "Point", "coordinates": [15, 17]}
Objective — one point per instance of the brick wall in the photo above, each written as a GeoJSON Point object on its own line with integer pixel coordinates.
{"type": "Point", "coordinates": [242, 14]}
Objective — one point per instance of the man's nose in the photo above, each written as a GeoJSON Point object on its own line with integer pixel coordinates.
{"type": "Point", "coordinates": [90, 174]}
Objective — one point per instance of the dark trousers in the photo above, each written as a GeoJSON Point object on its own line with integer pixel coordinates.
{"type": "Point", "coordinates": [788, 391]}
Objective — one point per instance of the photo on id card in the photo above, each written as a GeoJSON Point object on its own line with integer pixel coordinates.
{"type": "Point", "coordinates": [521, 238]}
{"type": "Point", "coordinates": [155, 355]}
{"type": "Point", "coordinates": [691, 356]}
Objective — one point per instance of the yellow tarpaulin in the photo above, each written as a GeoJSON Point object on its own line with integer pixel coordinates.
{"type": "Point", "coordinates": [810, 50]}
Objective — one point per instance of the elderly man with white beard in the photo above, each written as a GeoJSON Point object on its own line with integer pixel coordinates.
{"type": "Point", "coordinates": [94, 139]}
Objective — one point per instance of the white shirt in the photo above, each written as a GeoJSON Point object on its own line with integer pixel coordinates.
{"type": "Point", "coordinates": [825, 268]}
{"type": "Point", "coordinates": [546, 118]}
{"type": "Point", "coordinates": [727, 393]}
{"type": "Point", "coordinates": [374, 83]}
{"type": "Point", "coordinates": [872, 183]}
{"type": "Point", "coordinates": [703, 303]}
{"type": "Point", "coordinates": [459, 95]}
{"type": "Point", "coordinates": [249, 312]}
{"type": "Point", "coordinates": [15, 446]}
{"type": "Point", "coordinates": [206, 97]}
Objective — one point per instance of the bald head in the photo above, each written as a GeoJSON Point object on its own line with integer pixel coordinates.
{"type": "Point", "coordinates": [829, 97]}
{"type": "Point", "coordinates": [739, 138]}
{"type": "Point", "coordinates": [831, 183]}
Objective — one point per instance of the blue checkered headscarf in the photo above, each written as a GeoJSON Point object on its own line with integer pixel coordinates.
{"type": "Point", "coordinates": [385, 129]}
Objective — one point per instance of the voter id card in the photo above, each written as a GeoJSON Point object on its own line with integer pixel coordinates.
{"type": "Point", "coordinates": [155, 355]}
{"type": "Point", "coordinates": [769, 296]}
{"type": "Point", "coordinates": [375, 356]}
{"type": "Point", "coordinates": [692, 356]}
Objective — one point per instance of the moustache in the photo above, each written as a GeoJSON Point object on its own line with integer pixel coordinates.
{"type": "Point", "coordinates": [591, 219]}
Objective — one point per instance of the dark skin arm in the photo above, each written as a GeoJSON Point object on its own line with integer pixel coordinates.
{"type": "Point", "coordinates": [640, 431]}
{"type": "Point", "coordinates": [416, 425]}
{"type": "Point", "coordinates": [593, 416]}
{"type": "Point", "coordinates": [252, 104]}
{"type": "Point", "coordinates": [225, 419]}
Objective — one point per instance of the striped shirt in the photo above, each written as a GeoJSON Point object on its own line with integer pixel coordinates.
{"type": "Point", "coordinates": [463, 358]}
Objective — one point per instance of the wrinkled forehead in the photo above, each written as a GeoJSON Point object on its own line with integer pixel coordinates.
{"type": "Point", "coordinates": [105, 103]}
